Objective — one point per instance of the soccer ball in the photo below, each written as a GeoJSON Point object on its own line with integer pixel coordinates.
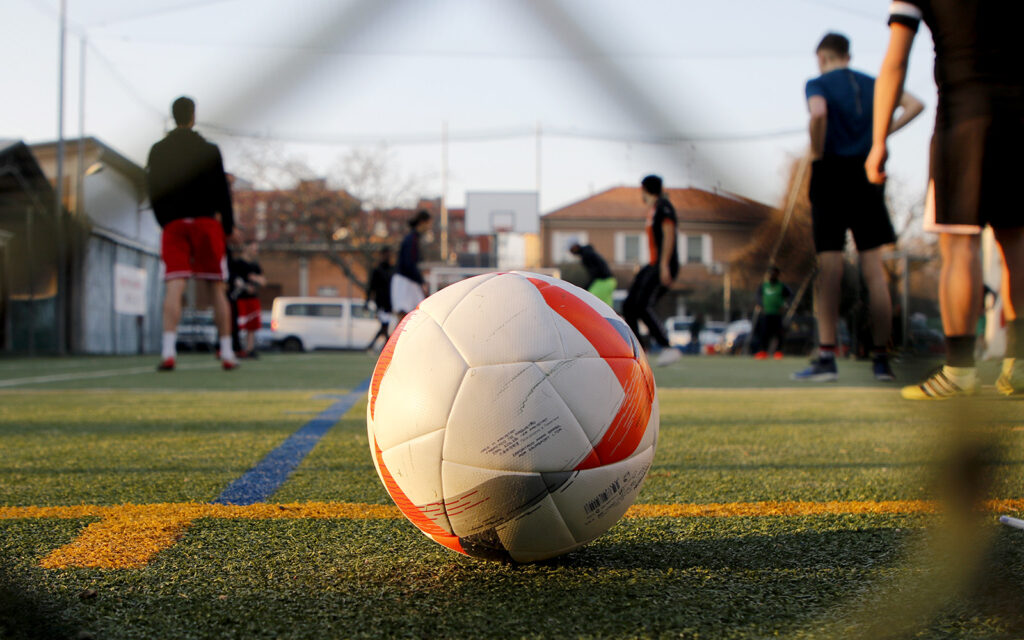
{"type": "Point", "coordinates": [512, 416]}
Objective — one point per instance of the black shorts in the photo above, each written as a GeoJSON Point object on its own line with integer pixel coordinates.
{"type": "Point", "coordinates": [977, 162]}
{"type": "Point", "coordinates": [841, 199]}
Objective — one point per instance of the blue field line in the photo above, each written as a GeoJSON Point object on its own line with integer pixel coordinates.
{"type": "Point", "coordinates": [260, 482]}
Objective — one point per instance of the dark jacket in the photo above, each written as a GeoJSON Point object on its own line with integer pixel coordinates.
{"type": "Point", "coordinates": [186, 180]}
{"type": "Point", "coordinates": [409, 257]}
{"type": "Point", "coordinates": [380, 286]}
{"type": "Point", "coordinates": [595, 265]}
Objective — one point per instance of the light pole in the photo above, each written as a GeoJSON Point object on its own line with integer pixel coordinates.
{"type": "Point", "coordinates": [60, 302]}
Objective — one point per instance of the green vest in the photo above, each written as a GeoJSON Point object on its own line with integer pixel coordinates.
{"type": "Point", "coordinates": [771, 297]}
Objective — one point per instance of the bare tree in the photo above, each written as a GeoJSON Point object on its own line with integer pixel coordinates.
{"type": "Point", "coordinates": [344, 219]}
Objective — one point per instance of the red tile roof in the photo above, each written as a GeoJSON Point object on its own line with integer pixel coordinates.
{"type": "Point", "coordinates": [692, 205]}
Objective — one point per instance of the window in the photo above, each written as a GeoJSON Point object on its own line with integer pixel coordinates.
{"type": "Point", "coordinates": [695, 248]}
{"type": "Point", "coordinates": [631, 248]}
{"type": "Point", "coordinates": [327, 292]}
{"type": "Point", "coordinates": [314, 310]}
{"type": "Point", "coordinates": [359, 311]}
{"type": "Point", "coordinates": [560, 243]}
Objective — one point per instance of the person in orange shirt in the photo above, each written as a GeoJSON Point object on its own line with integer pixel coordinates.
{"type": "Point", "coordinates": [654, 279]}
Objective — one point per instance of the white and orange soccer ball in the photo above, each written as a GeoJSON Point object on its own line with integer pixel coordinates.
{"type": "Point", "coordinates": [512, 415]}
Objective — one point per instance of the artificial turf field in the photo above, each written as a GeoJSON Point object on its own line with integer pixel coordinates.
{"type": "Point", "coordinates": [771, 510]}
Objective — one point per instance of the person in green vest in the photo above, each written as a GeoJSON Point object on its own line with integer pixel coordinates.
{"type": "Point", "coordinates": [772, 299]}
{"type": "Point", "coordinates": [601, 281]}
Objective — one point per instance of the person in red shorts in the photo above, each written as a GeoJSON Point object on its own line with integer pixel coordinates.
{"type": "Point", "coordinates": [246, 280]}
{"type": "Point", "coordinates": [192, 203]}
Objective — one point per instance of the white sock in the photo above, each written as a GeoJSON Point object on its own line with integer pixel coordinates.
{"type": "Point", "coordinates": [227, 354]}
{"type": "Point", "coordinates": [169, 349]}
{"type": "Point", "coordinates": [962, 376]}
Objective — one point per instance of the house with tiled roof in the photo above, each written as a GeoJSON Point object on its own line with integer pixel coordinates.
{"type": "Point", "coordinates": [713, 226]}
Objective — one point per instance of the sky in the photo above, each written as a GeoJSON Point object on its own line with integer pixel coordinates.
{"type": "Point", "coordinates": [706, 94]}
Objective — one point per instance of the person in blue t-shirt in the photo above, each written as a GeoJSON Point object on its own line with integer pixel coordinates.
{"type": "Point", "coordinates": [841, 102]}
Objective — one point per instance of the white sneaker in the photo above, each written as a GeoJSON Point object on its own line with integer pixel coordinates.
{"type": "Point", "coordinates": [669, 355]}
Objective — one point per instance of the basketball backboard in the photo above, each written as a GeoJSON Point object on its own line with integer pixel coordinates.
{"type": "Point", "coordinates": [491, 212]}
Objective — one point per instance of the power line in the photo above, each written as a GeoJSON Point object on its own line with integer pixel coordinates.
{"type": "Point", "coordinates": [495, 134]}
{"type": "Point", "coordinates": [145, 15]}
{"type": "Point", "coordinates": [455, 54]}
{"type": "Point", "coordinates": [128, 87]}
{"type": "Point", "coordinates": [873, 17]}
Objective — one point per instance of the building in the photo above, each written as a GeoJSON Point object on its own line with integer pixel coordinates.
{"type": "Point", "coordinates": [712, 227]}
{"type": "Point", "coordinates": [29, 282]}
{"type": "Point", "coordinates": [318, 241]}
{"type": "Point", "coordinates": [114, 281]}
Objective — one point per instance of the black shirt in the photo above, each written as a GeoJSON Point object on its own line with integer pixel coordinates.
{"type": "Point", "coordinates": [977, 50]}
{"type": "Point", "coordinates": [380, 286]}
{"type": "Point", "coordinates": [186, 180]}
{"type": "Point", "coordinates": [663, 211]}
{"type": "Point", "coordinates": [595, 265]}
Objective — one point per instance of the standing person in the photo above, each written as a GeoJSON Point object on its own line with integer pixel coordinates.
{"type": "Point", "coordinates": [975, 170]}
{"type": "Point", "coordinates": [232, 251]}
{"type": "Point", "coordinates": [840, 102]}
{"type": "Point", "coordinates": [696, 327]}
{"type": "Point", "coordinates": [247, 278]}
{"type": "Point", "coordinates": [602, 283]}
{"type": "Point", "coordinates": [408, 288]}
{"type": "Point", "coordinates": [654, 279]}
{"type": "Point", "coordinates": [379, 288]}
{"type": "Point", "coordinates": [772, 298]}
{"type": "Point", "coordinates": [192, 203]}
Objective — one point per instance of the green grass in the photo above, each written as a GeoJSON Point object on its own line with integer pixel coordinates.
{"type": "Point", "coordinates": [184, 436]}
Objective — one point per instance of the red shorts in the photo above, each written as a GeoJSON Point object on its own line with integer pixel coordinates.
{"type": "Point", "coordinates": [194, 248]}
{"type": "Point", "coordinates": [249, 314]}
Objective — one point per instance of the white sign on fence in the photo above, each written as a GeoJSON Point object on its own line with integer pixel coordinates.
{"type": "Point", "coordinates": [129, 290]}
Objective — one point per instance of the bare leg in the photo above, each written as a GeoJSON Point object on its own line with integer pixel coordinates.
{"type": "Point", "coordinates": [878, 295]}
{"type": "Point", "coordinates": [960, 283]}
{"type": "Point", "coordinates": [221, 307]}
{"type": "Point", "coordinates": [173, 291]}
{"type": "Point", "coordinates": [1011, 243]}
{"type": "Point", "coordinates": [826, 294]}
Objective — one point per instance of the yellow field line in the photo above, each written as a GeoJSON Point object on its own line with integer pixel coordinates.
{"type": "Point", "coordinates": [130, 535]}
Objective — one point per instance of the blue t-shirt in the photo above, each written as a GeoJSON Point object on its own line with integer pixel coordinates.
{"type": "Point", "coordinates": [850, 96]}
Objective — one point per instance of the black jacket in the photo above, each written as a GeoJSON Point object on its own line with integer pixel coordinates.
{"type": "Point", "coordinates": [595, 265]}
{"type": "Point", "coordinates": [186, 180]}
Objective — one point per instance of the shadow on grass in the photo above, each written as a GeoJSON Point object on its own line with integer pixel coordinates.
{"type": "Point", "coordinates": [334, 578]}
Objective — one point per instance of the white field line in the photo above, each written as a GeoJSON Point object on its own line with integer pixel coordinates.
{"type": "Point", "coordinates": [106, 373]}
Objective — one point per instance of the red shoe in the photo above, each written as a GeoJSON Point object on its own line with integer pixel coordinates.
{"type": "Point", "coordinates": [761, 355]}
{"type": "Point", "coordinates": [778, 355]}
{"type": "Point", "coordinates": [229, 365]}
{"type": "Point", "coordinates": [166, 365]}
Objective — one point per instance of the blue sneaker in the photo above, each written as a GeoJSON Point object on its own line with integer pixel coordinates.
{"type": "Point", "coordinates": [821, 370]}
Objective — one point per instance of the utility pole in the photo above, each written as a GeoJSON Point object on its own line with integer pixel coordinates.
{"type": "Point", "coordinates": [538, 161]}
{"type": "Point", "coordinates": [80, 165]}
{"type": "Point", "coordinates": [61, 302]}
{"type": "Point", "coordinates": [444, 191]}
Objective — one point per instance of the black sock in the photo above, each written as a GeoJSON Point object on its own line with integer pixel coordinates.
{"type": "Point", "coordinates": [1014, 337]}
{"type": "Point", "coordinates": [827, 352]}
{"type": "Point", "coordinates": [879, 353]}
{"type": "Point", "coordinates": [960, 350]}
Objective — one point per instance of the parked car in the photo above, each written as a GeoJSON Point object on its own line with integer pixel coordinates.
{"type": "Point", "coordinates": [305, 324]}
{"type": "Point", "coordinates": [735, 336]}
{"type": "Point", "coordinates": [677, 328]}
{"type": "Point", "coordinates": [197, 331]}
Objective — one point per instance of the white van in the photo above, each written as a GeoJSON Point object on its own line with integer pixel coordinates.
{"type": "Point", "coordinates": [305, 324]}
